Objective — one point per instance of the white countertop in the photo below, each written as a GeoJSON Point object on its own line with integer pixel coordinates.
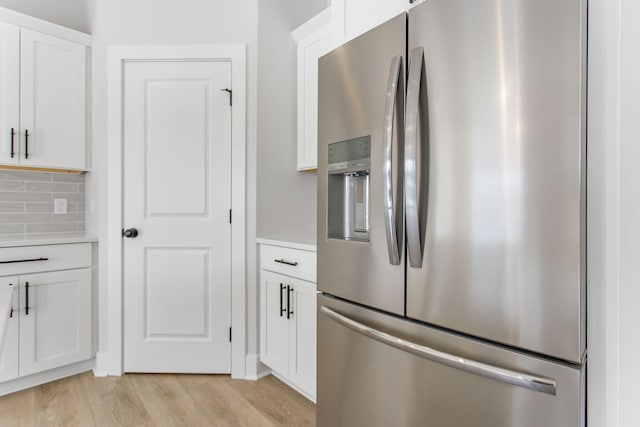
{"type": "Point", "coordinates": [302, 242]}
{"type": "Point", "coordinates": [6, 292]}
{"type": "Point", "coordinates": [45, 239]}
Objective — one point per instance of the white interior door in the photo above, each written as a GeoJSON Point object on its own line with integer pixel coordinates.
{"type": "Point", "coordinates": [177, 194]}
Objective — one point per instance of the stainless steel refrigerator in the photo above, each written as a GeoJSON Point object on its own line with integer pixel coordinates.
{"type": "Point", "coordinates": [451, 218]}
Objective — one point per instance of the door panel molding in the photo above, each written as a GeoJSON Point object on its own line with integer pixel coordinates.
{"type": "Point", "coordinates": [109, 359]}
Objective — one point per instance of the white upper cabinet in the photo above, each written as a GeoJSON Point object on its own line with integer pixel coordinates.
{"type": "Point", "coordinates": [354, 17]}
{"type": "Point", "coordinates": [313, 40]}
{"type": "Point", "coordinates": [52, 102]}
{"type": "Point", "coordinates": [43, 95]}
{"type": "Point", "coordinates": [9, 93]}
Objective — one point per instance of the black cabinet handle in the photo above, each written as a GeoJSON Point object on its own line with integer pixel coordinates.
{"type": "Point", "coordinates": [281, 261]}
{"type": "Point", "coordinates": [282, 309]}
{"type": "Point", "coordinates": [289, 311]}
{"type": "Point", "coordinates": [11, 311]}
{"type": "Point", "coordinates": [26, 143]}
{"type": "Point", "coordinates": [13, 135]}
{"type": "Point", "coordinates": [26, 302]}
{"type": "Point", "coordinates": [24, 260]}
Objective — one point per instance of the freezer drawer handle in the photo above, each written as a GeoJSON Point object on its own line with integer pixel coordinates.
{"type": "Point", "coordinates": [282, 261]}
{"type": "Point", "coordinates": [543, 385]}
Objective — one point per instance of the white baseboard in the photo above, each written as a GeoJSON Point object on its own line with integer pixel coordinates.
{"type": "Point", "coordinates": [33, 380]}
{"type": "Point", "coordinates": [293, 386]}
{"type": "Point", "coordinates": [254, 370]}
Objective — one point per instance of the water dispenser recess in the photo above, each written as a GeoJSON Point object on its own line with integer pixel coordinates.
{"type": "Point", "coordinates": [349, 163]}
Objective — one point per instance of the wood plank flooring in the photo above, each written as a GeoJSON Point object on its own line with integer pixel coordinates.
{"type": "Point", "coordinates": [157, 400]}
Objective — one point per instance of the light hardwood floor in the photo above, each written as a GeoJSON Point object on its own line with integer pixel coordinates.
{"type": "Point", "coordinates": [157, 400]}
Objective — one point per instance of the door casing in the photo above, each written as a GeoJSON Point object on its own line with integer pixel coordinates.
{"type": "Point", "coordinates": [109, 359]}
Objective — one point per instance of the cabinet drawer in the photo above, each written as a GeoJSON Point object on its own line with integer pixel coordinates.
{"type": "Point", "coordinates": [33, 259]}
{"type": "Point", "coordinates": [292, 262]}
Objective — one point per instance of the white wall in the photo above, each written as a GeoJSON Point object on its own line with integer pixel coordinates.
{"type": "Point", "coordinates": [149, 22]}
{"type": "Point", "coordinates": [68, 13]}
{"type": "Point", "coordinates": [614, 213]}
{"type": "Point", "coordinates": [630, 213]}
{"type": "Point", "coordinates": [286, 198]}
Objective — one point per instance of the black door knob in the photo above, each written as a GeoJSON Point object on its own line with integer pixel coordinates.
{"type": "Point", "coordinates": [130, 233]}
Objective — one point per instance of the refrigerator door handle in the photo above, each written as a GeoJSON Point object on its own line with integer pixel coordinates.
{"type": "Point", "coordinates": [520, 379]}
{"type": "Point", "coordinates": [414, 245]}
{"type": "Point", "coordinates": [387, 161]}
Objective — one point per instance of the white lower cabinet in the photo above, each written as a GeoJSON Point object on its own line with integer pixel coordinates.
{"type": "Point", "coordinates": [288, 327]}
{"type": "Point", "coordinates": [50, 322]}
{"type": "Point", "coordinates": [55, 323]}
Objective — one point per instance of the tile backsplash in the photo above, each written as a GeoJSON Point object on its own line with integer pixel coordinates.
{"type": "Point", "coordinates": [26, 202]}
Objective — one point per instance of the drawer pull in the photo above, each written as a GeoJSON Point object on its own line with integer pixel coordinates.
{"type": "Point", "coordinates": [24, 260]}
{"type": "Point", "coordinates": [281, 261]}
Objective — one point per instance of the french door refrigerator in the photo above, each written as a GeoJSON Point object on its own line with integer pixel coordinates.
{"type": "Point", "coordinates": [451, 218]}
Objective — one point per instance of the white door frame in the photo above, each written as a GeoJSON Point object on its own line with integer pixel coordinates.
{"type": "Point", "coordinates": [109, 360]}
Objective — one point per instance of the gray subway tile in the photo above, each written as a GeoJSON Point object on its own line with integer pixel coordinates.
{"type": "Point", "coordinates": [24, 218]}
{"type": "Point", "coordinates": [82, 188]}
{"type": "Point", "coordinates": [51, 187]}
{"type": "Point", "coordinates": [11, 185]}
{"type": "Point", "coordinates": [11, 207]}
{"type": "Point", "coordinates": [81, 207]}
{"type": "Point", "coordinates": [7, 196]}
{"type": "Point", "coordinates": [15, 175]}
{"type": "Point", "coordinates": [61, 227]}
{"type": "Point", "coordinates": [68, 217]}
{"type": "Point", "coordinates": [39, 207]}
{"type": "Point", "coordinates": [69, 177]}
{"type": "Point", "coordinates": [71, 197]}
{"type": "Point", "coordinates": [11, 229]}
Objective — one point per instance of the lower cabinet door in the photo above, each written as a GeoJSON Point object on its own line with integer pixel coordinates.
{"type": "Point", "coordinates": [55, 319]}
{"type": "Point", "coordinates": [274, 325]}
{"type": "Point", "coordinates": [302, 348]}
{"type": "Point", "coordinates": [9, 347]}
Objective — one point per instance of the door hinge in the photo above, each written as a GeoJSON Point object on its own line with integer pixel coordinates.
{"type": "Point", "coordinates": [229, 216]}
{"type": "Point", "coordinates": [230, 92]}
{"type": "Point", "coordinates": [229, 333]}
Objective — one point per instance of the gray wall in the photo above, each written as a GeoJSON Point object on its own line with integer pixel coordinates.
{"type": "Point", "coordinates": [286, 203]}
{"type": "Point", "coordinates": [26, 202]}
{"type": "Point", "coordinates": [68, 13]}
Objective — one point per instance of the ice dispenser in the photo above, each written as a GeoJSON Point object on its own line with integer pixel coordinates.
{"type": "Point", "coordinates": [348, 189]}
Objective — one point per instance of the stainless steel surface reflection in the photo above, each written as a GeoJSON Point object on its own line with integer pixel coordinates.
{"type": "Point", "coordinates": [503, 233]}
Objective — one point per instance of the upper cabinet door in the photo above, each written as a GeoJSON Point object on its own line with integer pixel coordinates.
{"type": "Point", "coordinates": [52, 102]}
{"type": "Point", "coordinates": [9, 93]}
